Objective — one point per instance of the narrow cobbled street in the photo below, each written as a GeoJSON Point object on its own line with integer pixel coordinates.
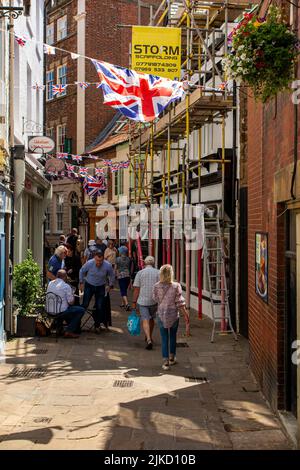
{"type": "Point", "coordinates": [107, 392]}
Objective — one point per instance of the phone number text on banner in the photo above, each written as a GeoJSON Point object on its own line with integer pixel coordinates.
{"type": "Point", "coordinates": [156, 51]}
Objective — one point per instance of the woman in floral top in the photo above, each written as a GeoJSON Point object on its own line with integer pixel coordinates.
{"type": "Point", "coordinates": [123, 269]}
{"type": "Point", "coordinates": [168, 295]}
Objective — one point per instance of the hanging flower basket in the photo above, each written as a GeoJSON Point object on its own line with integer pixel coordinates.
{"type": "Point", "coordinates": [263, 54]}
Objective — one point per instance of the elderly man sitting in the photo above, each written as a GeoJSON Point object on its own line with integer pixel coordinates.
{"type": "Point", "coordinates": [68, 312]}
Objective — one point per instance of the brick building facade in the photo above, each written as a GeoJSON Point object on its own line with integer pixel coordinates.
{"type": "Point", "coordinates": [75, 119]}
{"type": "Point", "coordinates": [273, 210]}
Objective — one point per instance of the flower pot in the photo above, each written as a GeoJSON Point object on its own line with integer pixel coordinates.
{"type": "Point", "coordinates": [26, 325]}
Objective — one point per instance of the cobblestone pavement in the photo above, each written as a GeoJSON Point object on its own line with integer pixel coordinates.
{"type": "Point", "coordinates": [107, 392]}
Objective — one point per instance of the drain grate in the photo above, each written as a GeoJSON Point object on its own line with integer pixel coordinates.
{"type": "Point", "coordinates": [30, 372]}
{"type": "Point", "coordinates": [42, 420]}
{"type": "Point", "coordinates": [182, 345]}
{"type": "Point", "coordinates": [196, 379]}
{"type": "Point", "coordinates": [40, 351]}
{"type": "Point", "coordinates": [123, 383]}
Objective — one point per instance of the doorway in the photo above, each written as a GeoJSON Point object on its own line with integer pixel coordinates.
{"type": "Point", "coordinates": [290, 311]}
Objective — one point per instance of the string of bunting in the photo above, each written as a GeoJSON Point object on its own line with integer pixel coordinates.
{"type": "Point", "coordinates": [78, 158]}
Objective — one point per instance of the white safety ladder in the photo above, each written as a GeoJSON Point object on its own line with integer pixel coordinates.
{"type": "Point", "coordinates": [214, 257]}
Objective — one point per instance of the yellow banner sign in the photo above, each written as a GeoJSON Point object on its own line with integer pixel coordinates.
{"type": "Point", "coordinates": [156, 51]}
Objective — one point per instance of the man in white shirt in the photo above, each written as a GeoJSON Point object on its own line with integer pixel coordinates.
{"type": "Point", "coordinates": [68, 312]}
{"type": "Point", "coordinates": [143, 296]}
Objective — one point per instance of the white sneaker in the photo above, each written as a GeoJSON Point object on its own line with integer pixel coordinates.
{"type": "Point", "coordinates": [166, 366]}
{"type": "Point", "coordinates": [172, 361]}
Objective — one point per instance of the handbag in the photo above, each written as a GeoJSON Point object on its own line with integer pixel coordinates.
{"type": "Point", "coordinates": [41, 329]}
{"type": "Point", "coordinates": [134, 324]}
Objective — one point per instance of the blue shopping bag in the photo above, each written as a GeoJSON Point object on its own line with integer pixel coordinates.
{"type": "Point", "coordinates": [134, 324]}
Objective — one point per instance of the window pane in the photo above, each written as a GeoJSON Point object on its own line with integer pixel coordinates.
{"type": "Point", "coordinates": [62, 77]}
{"type": "Point", "coordinates": [50, 34]}
{"type": "Point", "coordinates": [62, 28]}
{"type": "Point", "coordinates": [50, 82]}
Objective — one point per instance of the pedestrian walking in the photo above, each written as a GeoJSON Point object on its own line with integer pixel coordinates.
{"type": "Point", "coordinates": [100, 245]}
{"type": "Point", "coordinates": [90, 251]}
{"type": "Point", "coordinates": [56, 262]}
{"type": "Point", "coordinates": [143, 297]}
{"type": "Point", "coordinates": [93, 277]}
{"type": "Point", "coordinates": [123, 266]}
{"type": "Point", "coordinates": [168, 295]}
{"type": "Point", "coordinates": [110, 253]}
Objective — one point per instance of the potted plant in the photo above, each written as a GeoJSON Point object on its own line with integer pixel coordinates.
{"type": "Point", "coordinates": [27, 291]}
{"type": "Point", "coordinates": [263, 54]}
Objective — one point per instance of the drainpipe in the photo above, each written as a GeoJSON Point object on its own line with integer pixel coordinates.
{"type": "Point", "coordinates": [11, 146]}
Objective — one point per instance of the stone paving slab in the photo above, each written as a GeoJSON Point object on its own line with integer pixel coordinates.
{"type": "Point", "coordinates": [107, 392]}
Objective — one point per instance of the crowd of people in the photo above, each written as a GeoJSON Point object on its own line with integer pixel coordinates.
{"type": "Point", "coordinates": [75, 273]}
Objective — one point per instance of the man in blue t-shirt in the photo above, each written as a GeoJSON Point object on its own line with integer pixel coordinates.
{"type": "Point", "coordinates": [93, 276]}
{"type": "Point", "coordinates": [56, 262]}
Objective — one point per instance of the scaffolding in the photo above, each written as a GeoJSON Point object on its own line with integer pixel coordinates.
{"type": "Point", "coordinates": [205, 29]}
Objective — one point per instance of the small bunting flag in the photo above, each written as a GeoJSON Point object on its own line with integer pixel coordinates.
{"type": "Point", "coordinates": [50, 50]}
{"type": "Point", "coordinates": [82, 85]}
{"type": "Point", "coordinates": [74, 56]}
{"type": "Point", "coordinates": [70, 167]}
{"type": "Point", "coordinates": [20, 40]}
{"type": "Point", "coordinates": [107, 162]}
{"type": "Point", "coordinates": [77, 158]}
{"type": "Point", "coordinates": [62, 155]}
{"type": "Point", "coordinates": [38, 87]}
{"type": "Point", "coordinates": [114, 168]}
{"type": "Point", "coordinates": [99, 171]}
{"type": "Point", "coordinates": [58, 89]}
{"type": "Point", "coordinates": [83, 171]}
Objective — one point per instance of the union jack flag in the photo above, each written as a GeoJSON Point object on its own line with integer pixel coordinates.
{"type": "Point", "coordinates": [124, 164]}
{"type": "Point", "coordinates": [99, 85]}
{"type": "Point", "coordinates": [70, 167]}
{"type": "Point", "coordinates": [58, 89]}
{"type": "Point", "coordinates": [82, 85]}
{"type": "Point", "coordinates": [62, 155]}
{"type": "Point", "coordinates": [20, 40]}
{"type": "Point", "coordinates": [107, 162]}
{"type": "Point", "coordinates": [99, 171]}
{"type": "Point", "coordinates": [83, 171]}
{"type": "Point", "coordinates": [93, 186]}
{"type": "Point", "coordinates": [77, 158]}
{"type": "Point", "coordinates": [138, 96]}
{"type": "Point", "coordinates": [114, 168]}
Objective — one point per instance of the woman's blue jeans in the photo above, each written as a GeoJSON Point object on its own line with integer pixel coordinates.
{"type": "Point", "coordinates": [168, 335]}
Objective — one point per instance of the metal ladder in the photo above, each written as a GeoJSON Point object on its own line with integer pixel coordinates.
{"type": "Point", "coordinates": [214, 257]}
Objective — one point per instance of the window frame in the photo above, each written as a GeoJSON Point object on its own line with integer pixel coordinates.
{"type": "Point", "coordinates": [59, 142]}
{"type": "Point", "coordinates": [63, 30]}
{"type": "Point", "coordinates": [59, 209]}
{"type": "Point", "coordinates": [62, 79]}
{"type": "Point", "coordinates": [50, 39]}
{"type": "Point", "coordinates": [49, 91]}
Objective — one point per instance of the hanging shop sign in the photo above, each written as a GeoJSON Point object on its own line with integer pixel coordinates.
{"type": "Point", "coordinates": [40, 144]}
{"type": "Point", "coordinates": [261, 265]}
{"type": "Point", "coordinates": [156, 51]}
